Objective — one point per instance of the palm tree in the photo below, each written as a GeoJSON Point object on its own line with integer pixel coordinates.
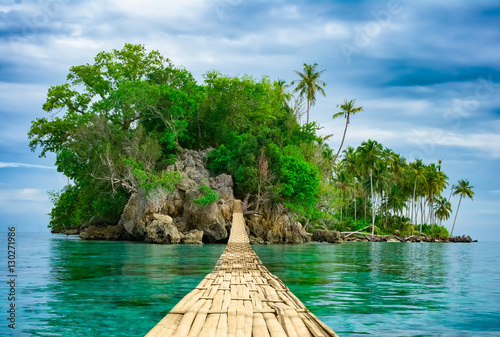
{"type": "Point", "coordinates": [416, 172]}
{"type": "Point", "coordinates": [398, 166]}
{"type": "Point", "coordinates": [436, 182]}
{"type": "Point", "coordinates": [369, 159]}
{"type": "Point", "coordinates": [350, 165]}
{"type": "Point", "coordinates": [382, 183]}
{"type": "Point", "coordinates": [465, 190]}
{"type": "Point", "coordinates": [282, 91]}
{"type": "Point", "coordinates": [348, 109]}
{"type": "Point", "coordinates": [345, 183]}
{"type": "Point", "coordinates": [309, 84]}
{"type": "Point", "coordinates": [396, 199]}
{"type": "Point", "coordinates": [442, 209]}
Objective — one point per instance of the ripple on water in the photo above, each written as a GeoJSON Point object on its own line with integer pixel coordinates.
{"type": "Point", "coordinates": [81, 288]}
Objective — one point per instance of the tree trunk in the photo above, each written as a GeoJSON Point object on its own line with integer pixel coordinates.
{"type": "Point", "coordinates": [355, 219]}
{"type": "Point", "coordinates": [413, 200]}
{"type": "Point", "coordinates": [342, 143]}
{"type": "Point", "coordinates": [422, 215]}
{"type": "Point", "coordinates": [366, 197]}
{"type": "Point", "coordinates": [386, 213]}
{"type": "Point", "coordinates": [431, 210]}
{"type": "Point", "coordinates": [308, 104]}
{"type": "Point", "coordinates": [451, 234]}
{"type": "Point", "coordinates": [373, 208]}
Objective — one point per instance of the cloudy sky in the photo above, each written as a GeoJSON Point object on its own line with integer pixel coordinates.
{"type": "Point", "coordinates": [426, 72]}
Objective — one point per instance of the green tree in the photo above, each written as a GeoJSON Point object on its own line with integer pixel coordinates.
{"type": "Point", "coordinates": [348, 109]}
{"type": "Point", "coordinates": [309, 84]}
{"type": "Point", "coordinates": [416, 174]}
{"type": "Point", "coordinates": [282, 94]}
{"type": "Point", "coordinates": [442, 209]}
{"type": "Point", "coordinates": [465, 190]}
{"type": "Point", "coordinates": [436, 183]}
{"type": "Point", "coordinates": [128, 104]}
{"type": "Point", "coordinates": [299, 182]}
{"type": "Point", "coordinates": [369, 159]}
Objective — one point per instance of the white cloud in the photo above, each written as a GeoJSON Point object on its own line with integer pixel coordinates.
{"type": "Point", "coordinates": [24, 194]}
{"type": "Point", "coordinates": [486, 143]}
{"type": "Point", "coordinates": [163, 10]}
{"type": "Point", "coordinates": [4, 164]}
{"type": "Point", "coordinates": [337, 30]}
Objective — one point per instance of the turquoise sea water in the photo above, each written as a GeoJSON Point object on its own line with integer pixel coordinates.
{"type": "Point", "coordinates": [69, 287]}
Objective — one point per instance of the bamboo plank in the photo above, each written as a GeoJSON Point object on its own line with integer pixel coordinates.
{"type": "Point", "coordinates": [222, 326]}
{"type": "Point", "coordinates": [274, 327]}
{"type": "Point", "coordinates": [313, 328]}
{"type": "Point", "coordinates": [186, 321]}
{"type": "Point", "coordinates": [231, 319]}
{"type": "Point", "coordinates": [200, 319]}
{"type": "Point", "coordinates": [240, 319]}
{"type": "Point", "coordinates": [210, 327]}
{"type": "Point", "coordinates": [259, 326]}
{"type": "Point", "coordinates": [248, 319]}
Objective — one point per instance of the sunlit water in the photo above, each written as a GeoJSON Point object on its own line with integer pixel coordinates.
{"type": "Point", "coordinates": [69, 287]}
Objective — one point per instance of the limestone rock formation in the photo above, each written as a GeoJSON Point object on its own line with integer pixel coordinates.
{"type": "Point", "coordinates": [327, 236]}
{"type": "Point", "coordinates": [274, 226]}
{"type": "Point", "coordinates": [132, 218]}
{"type": "Point", "coordinates": [208, 219]}
{"type": "Point", "coordinates": [161, 232]}
{"type": "Point", "coordinates": [193, 237]}
{"type": "Point", "coordinates": [109, 233]}
{"type": "Point", "coordinates": [172, 217]}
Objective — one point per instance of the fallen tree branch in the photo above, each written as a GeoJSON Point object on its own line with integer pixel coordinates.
{"type": "Point", "coordinates": [359, 230]}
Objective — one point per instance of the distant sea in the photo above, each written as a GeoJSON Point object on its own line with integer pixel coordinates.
{"type": "Point", "coordinates": [69, 287]}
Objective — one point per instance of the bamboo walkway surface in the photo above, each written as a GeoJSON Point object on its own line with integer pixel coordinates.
{"type": "Point", "coordinates": [240, 297]}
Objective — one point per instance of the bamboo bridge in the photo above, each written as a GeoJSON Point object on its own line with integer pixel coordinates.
{"type": "Point", "coordinates": [240, 297]}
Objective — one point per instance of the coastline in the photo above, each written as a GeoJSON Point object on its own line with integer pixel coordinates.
{"type": "Point", "coordinates": [343, 238]}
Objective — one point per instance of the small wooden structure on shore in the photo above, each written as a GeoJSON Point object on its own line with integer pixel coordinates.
{"type": "Point", "coordinates": [240, 297]}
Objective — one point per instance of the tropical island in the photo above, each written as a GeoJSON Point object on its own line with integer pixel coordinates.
{"type": "Point", "coordinates": [155, 156]}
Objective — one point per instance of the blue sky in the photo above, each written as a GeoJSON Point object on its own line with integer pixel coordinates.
{"type": "Point", "coordinates": [426, 72]}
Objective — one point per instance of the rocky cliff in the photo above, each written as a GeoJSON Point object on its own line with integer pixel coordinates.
{"type": "Point", "coordinates": [174, 218]}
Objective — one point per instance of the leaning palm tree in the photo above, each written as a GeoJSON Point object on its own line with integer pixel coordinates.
{"type": "Point", "coordinates": [309, 84]}
{"type": "Point", "coordinates": [348, 109]}
{"type": "Point", "coordinates": [465, 190]}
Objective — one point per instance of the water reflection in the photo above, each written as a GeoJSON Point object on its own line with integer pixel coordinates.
{"type": "Point", "coordinates": [72, 287]}
{"type": "Point", "coordinates": [97, 286]}
{"type": "Point", "coordinates": [363, 278]}
{"type": "Point", "coordinates": [393, 289]}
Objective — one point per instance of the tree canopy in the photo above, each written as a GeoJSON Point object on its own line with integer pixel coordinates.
{"type": "Point", "coordinates": [118, 122]}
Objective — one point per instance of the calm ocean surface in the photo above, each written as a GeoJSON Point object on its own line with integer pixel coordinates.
{"type": "Point", "coordinates": [69, 287]}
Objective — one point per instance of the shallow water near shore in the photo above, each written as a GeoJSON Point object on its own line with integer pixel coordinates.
{"type": "Point", "coordinates": [69, 287]}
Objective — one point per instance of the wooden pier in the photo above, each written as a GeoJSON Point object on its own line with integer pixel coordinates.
{"type": "Point", "coordinates": [240, 297]}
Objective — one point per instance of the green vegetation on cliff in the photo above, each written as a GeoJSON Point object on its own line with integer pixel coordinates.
{"type": "Point", "coordinates": [119, 122]}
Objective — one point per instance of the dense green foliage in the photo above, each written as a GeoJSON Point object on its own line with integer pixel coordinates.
{"type": "Point", "coordinates": [208, 197]}
{"type": "Point", "coordinates": [398, 197]}
{"type": "Point", "coordinates": [118, 123]}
